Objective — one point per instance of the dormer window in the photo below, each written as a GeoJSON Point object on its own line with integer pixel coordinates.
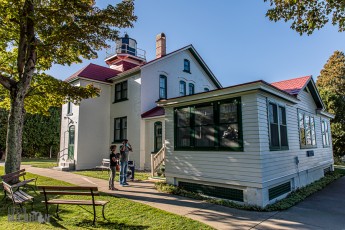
{"type": "Point", "coordinates": [206, 89]}
{"type": "Point", "coordinates": [186, 66]}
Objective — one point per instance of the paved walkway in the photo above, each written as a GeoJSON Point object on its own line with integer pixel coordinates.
{"type": "Point", "coordinates": [323, 210]}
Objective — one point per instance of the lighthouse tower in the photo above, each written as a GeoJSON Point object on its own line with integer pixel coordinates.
{"type": "Point", "coordinates": [125, 55]}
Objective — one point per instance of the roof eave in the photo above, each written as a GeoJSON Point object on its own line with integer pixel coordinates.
{"type": "Point", "coordinates": [125, 74]}
{"type": "Point", "coordinates": [251, 87]}
{"type": "Point", "coordinates": [325, 113]}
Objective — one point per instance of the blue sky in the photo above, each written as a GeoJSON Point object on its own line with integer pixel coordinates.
{"type": "Point", "coordinates": [235, 39]}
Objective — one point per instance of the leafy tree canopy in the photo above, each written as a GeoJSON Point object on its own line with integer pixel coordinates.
{"type": "Point", "coordinates": [34, 35]}
{"type": "Point", "coordinates": [308, 15]}
{"type": "Point", "coordinates": [331, 84]}
{"type": "Point", "coordinates": [65, 32]}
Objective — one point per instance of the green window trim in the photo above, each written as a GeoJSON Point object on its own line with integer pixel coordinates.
{"type": "Point", "coordinates": [280, 124]}
{"type": "Point", "coordinates": [190, 129]}
{"type": "Point", "coordinates": [71, 141]}
{"type": "Point", "coordinates": [191, 88]}
{"type": "Point", "coordinates": [186, 66]}
{"type": "Point", "coordinates": [308, 126]}
{"type": "Point", "coordinates": [325, 133]}
{"type": "Point", "coordinates": [158, 136]}
{"type": "Point", "coordinates": [121, 92]}
{"type": "Point", "coordinates": [182, 88]}
{"type": "Point", "coordinates": [69, 108]}
{"type": "Point", "coordinates": [120, 129]}
{"type": "Point", "coordinates": [163, 94]}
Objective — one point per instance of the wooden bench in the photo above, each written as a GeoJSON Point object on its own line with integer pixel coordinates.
{"type": "Point", "coordinates": [17, 196]}
{"type": "Point", "coordinates": [105, 164]}
{"type": "Point", "coordinates": [72, 190]}
{"type": "Point", "coordinates": [13, 179]}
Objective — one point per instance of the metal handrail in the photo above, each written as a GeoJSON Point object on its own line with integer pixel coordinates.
{"type": "Point", "coordinates": [120, 50]}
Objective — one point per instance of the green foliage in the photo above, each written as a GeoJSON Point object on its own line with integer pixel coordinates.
{"type": "Point", "coordinates": [40, 133]}
{"type": "Point", "coordinates": [121, 213]}
{"type": "Point", "coordinates": [292, 199]}
{"type": "Point", "coordinates": [331, 85]}
{"type": "Point", "coordinates": [307, 15]}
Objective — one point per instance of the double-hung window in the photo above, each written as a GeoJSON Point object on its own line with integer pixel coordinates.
{"type": "Point", "coordinates": [277, 127]}
{"type": "Point", "coordinates": [69, 108]}
{"type": "Point", "coordinates": [191, 88]}
{"type": "Point", "coordinates": [307, 134]}
{"type": "Point", "coordinates": [186, 65]}
{"type": "Point", "coordinates": [211, 126]}
{"type": "Point", "coordinates": [162, 87]}
{"type": "Point", "coordinates": [325, 133]}
{"type": "Point", "coordinates": [121, 91]}
{"type": "Point", "coordinates": [182, 88]}
{"type": "Point", "coordinates": [120, 129]}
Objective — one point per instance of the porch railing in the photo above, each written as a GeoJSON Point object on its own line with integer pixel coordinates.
{"type": "Point", "coordinates": [157, 160]}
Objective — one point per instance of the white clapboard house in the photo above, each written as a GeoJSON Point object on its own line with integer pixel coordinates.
{"type": "Point", "coordinates": [252, 143]}
{"type": "Point", "coordinates": [126, 108]}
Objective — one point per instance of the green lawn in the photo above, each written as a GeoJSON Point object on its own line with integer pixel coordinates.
{"type": "Point", "coordinates": [138, 176]}
{"type": "Point", "coordinates": [120, 212]}
{"type": "Point", "coordinates": [40, 162]}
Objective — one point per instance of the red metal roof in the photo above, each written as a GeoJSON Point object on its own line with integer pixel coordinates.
{"type": "Point", "coordinates": [292, 86]}
{"type": "Point", "coordinates": [155, 112]}
{"type": "Point", "coordinates": [95, 72]}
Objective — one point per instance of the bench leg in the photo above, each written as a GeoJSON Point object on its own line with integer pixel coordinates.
{"type": "Point", "coordinates": [103, 212]}
{"type": "Point", "coordinates": [94, 214]}
{"type": "Point", "coordinates": [57, 211]}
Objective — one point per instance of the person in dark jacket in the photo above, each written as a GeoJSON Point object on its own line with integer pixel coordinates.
{"type": "Point", "coordinates": [124, 152]}
{"type": "Point", "coordinates": [113, 163]}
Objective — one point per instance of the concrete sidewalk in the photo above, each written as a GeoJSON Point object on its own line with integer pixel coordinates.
{"type": "Point", "coordinates": [324, 210]}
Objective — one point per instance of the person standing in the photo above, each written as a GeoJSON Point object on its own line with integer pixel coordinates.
{"type": "Point", "coordinates": [113, 163]}
{"type": "Point", "coordinates": [124, 153]}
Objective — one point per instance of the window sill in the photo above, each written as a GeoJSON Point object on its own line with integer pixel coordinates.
{"type": "Point", "coordinates": [186, 71]}
{"type": "Point", "coordinates": [126, 99]}
{"type": "Point", "coordinates": [308, 147]}
{"type": "Point", "coordinates": [279, 149]}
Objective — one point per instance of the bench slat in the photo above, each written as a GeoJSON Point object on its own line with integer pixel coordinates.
{"type": "Point", "coordinates": [66, 188]}
{"type": "Point", "coordinates": [20, 196]}
{"type": "Point", "coordinates": [70, 193]}
{"type": "Point", "coordinates": [24, 182]}
{"type": "Point", "coordinates": [77, 202]}
{"type": "Point", "coordinates": [12, 174]}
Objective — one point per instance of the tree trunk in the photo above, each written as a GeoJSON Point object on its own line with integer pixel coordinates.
{"type": "Point", "coordinates": [14, 132]}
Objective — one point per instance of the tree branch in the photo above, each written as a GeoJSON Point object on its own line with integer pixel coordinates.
{"type": "Point", "coordinates": [8, 83]}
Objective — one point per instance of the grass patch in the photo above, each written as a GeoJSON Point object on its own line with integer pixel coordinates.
{"type": "Point", "coordinates": [138, 176]}
{"type": "Point", "coordinates": [40, 162]}
{"type": "Point", "coordinates": [292, 199]}
{"type": "Point", "coordinates": [120, 212]}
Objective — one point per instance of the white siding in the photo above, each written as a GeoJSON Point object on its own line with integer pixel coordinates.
{"type": "Point", "coordinates": [230, 168]}
{"type": "Point", "coordinates": [65, 124]}
{"type": "Point", "coordinates": [93, 138]}
{"type": "Point", "coordinates": [278, 165]}
{"type": "Point", "coordinates": [130, 109]}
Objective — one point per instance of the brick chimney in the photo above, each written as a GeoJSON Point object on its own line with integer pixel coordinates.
{"type": "Point", "coordinates": [161, 49]}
